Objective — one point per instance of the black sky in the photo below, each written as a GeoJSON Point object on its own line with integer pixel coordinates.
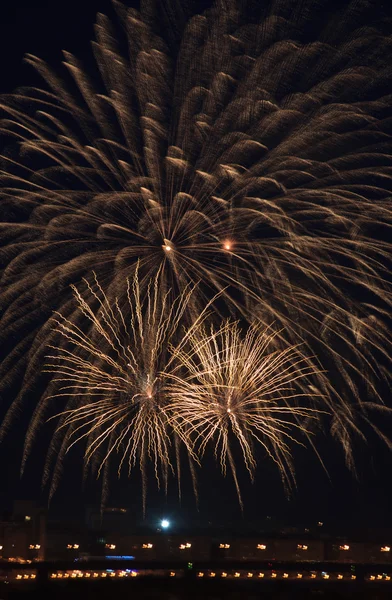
{"type": "Point", "coordinates": [44, 29]}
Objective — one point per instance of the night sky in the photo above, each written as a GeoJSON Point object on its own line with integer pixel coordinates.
{"type": "Point", "coordinates": [338, 499]}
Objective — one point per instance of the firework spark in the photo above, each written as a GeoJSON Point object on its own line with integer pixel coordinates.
{"type": "Point", "coordinates": [251, 159]}
{"type": "Point", "coordinates": [112, 374]}
{"type": "Point", "coordinates": [236, 386]}
{"type": "Point", "coordinates": [136, 383]}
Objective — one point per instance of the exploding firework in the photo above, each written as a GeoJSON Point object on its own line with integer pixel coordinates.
{"type": "Point", "coordinates": [136, 383]}
{"type": "Point", "coordinates": [236, 386]}
{"type": "Point", "coordinates": [112, 375]}
{"type": "Point", "coordinates": [252, 159]}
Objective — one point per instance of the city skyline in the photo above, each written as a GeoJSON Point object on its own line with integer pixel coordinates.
{"type": "Point", "coordinates": [316, 274]}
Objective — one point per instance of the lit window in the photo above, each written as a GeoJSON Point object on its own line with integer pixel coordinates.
{"type": "Point", "coordinates": [261, 547]}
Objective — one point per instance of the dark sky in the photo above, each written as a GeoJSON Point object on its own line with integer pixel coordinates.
{"type": "Point", "coordinates": [44, 29]}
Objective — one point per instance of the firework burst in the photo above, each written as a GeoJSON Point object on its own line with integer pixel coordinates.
{"type": "Point", "coordinates": [252, 158]}
{"type": "Point", "coordinates": [112, 375]}
{"type": "Point", "coordinates": [236, 386]}
{"type": "Point", "coordinates": [136, 382]}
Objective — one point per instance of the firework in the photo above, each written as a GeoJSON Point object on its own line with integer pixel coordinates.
{"type": "Point", "coordinates": [240, 387]}
{"type": "Point", "coordinates": [136, 382]}
{"type": "Point", "coordinates": [111, 373]}
{"type": "Point", "coordinates": [252, 159]}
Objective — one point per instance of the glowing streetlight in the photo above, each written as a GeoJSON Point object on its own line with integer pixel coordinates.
{"type": "Point", "coordinates": [165, 523]}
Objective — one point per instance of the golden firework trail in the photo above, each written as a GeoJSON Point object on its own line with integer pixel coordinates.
{"type": "Point", "coordinates": [252, 160]}
{"type": "Point", "coordinates": [240, 387]}
{"type": "Point", "coordinates": [112, 375]}
{"type": "Point", "coordinates": [136, 383]}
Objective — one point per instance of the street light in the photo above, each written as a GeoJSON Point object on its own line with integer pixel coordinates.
{"type": "Point", "coordinates": [165, 523]}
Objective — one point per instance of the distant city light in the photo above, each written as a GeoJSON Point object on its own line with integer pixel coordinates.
{"type": "Point", "coordinates": [185, 546]}
{"type": "Point", "coordinates": [165, 523]}
{"type": "Point", "coordinates": [302, 547]}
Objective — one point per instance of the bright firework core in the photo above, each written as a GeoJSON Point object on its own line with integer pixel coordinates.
{"type": "Point", "coordinates": [167, 246]}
